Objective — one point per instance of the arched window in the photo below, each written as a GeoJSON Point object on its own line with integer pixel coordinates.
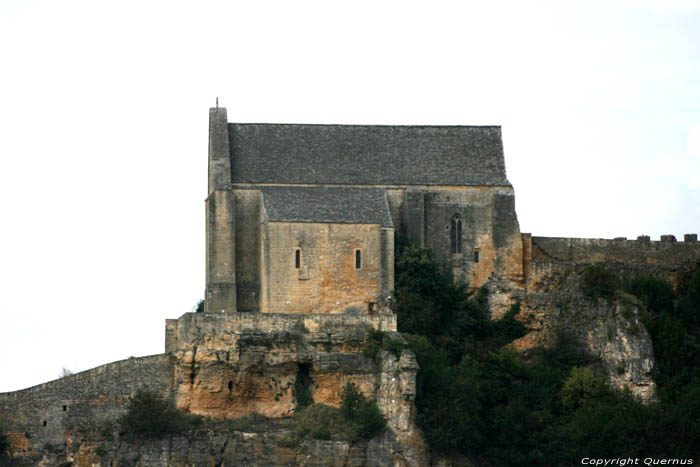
{"type": "Point", "coordinates": [456, 235]}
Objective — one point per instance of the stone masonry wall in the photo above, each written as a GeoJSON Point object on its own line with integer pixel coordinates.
{"type": "Point", "coordinates": [191, 327]}
{"type": "Point", "coordinates": [327, 280]}
{"type": "Point", "coordinates": [665, 258]}
{"type": "Point", "coordinates": [87, 401]}
{"type": "Point", "coordinates": [489, 227]}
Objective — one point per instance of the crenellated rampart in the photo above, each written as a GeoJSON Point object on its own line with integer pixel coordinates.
{"type": "Point", "coordinates": [642, 250]}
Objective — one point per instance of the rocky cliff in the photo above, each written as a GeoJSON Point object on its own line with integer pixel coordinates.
{"type": "Point", "coordinates": [225, 367]}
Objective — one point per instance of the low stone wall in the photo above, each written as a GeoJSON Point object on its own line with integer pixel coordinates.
{"type": "Point", "coordinates": [180, 332]}
{"type": "Point", "coordinates": [89, 400]}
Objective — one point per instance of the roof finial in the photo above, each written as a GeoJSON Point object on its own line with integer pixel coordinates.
{"type": "Point", "coordinates": [217, 102]}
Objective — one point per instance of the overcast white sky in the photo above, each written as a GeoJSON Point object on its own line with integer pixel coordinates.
{"type": "Point", "coordinates": [103, 134]}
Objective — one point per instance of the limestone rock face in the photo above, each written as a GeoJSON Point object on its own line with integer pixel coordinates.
{"type": "Point", "coordinates": [610, 330]}
{"type": "Point", "coordinates": [269, 449]}
{"type": "Point", "coordinates": [228, 368]}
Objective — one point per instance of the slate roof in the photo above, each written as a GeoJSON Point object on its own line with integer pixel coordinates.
{"type": "Point", "coordinates": [361, 154]}
{"type": "Point", "coordinates": [349, 205]}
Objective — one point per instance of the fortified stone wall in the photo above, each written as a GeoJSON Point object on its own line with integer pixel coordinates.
{"type": "Point", "coordinates": [666, 258]}
{"type": "Point", "coordinates": [612, 330]}
{"type": "Point", "coordinates": [642, 250]}
{"type": "Point", "coordinates": [87, 401]}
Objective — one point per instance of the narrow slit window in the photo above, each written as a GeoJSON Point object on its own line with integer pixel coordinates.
{"type": "Point", "coordinates": [358, 259]}
{"type": "Point", "coordinates": [456, 235]}
{"type": "Point", "coordinates": [476, 256]}
{"type": "Point", "coordinates": [297, 259]}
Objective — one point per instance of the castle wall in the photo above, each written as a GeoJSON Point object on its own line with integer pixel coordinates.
{"type": "Point", "coordinates": [89, 401]}
{"type": "Point", "coordinates": [641, 250]}
{"type": "Point", "coordinates": [666, 258]}
{"type": "Point", "coordinates": [327, 280]}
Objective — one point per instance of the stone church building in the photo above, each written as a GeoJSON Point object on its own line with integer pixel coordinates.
{"type": "Point", "coordinates": [305, 218]}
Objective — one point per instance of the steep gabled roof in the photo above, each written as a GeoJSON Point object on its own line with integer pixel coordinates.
{"type": "Point", "coordinates": [361, 154]}
{"type": "Point", "coordinates": [347, 205]}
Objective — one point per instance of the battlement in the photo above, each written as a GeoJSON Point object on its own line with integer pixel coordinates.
{"type": "Point", "coordinates": [666, 250]}
{"type": "Point", "coordinates": [192, 327]}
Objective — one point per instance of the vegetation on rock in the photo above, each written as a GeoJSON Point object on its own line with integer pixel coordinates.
{"type": "Point", "coordinates": [476, 396]}
{"type": "Point", "coordinates": [379, 340]}
{"type": "Point", "coordinates": [357, 418]}
{"type": "Point", "coordinates": [150, 415]}
{"type": "Point", "coordinates": [596, 281]}
{"type": "Point", "coordinates": [302, 388]}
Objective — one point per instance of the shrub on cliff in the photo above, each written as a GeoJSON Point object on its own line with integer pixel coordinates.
{"type": "Point", "coordinates": [302, 387]}
{"type": "Point", "coordinates": [582, 389]}
{"type": "Point", "coordinates": [378, 340]}
{"type": "Point", "coordinates": [151, 415]}
{"type": "Point", "coordinates": [368, 421]}
{"type": "Point", "coordinates": [356, 418]}
{"type": "Point", "coordinates": [656, 294]}
{"type": "Point", "coordinates": [598, 282]}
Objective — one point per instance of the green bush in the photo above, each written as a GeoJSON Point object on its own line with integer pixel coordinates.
{"type": "Point", "coordinates": [288, 441]}
{"type": "Point", "coordinates": [596, 281]}
{"type": "Point", "coordinates": [369, 421]}
{"type": "Point", "coordinates": [150, 415]}
{"type": "Point", "coordinates": [656, 294]}
{"type": "Point", "coordinates": [476, 397]}
{"type": "Point", "coordinates": [582, 389]}
{"type": "Point", "coordinates": [378, 340]}
{"type": "Point", "coordinates": [100, 450]}
{"type": "Point", "coordinates": [689, 301]}
{"type": "Point", "coordinates": [302, 388]}
{"type": "Point", "coordinates": [373, 342]}
{"type": "Point", "coordinates": [199, 308]}
{"type": "Point", "coordinates": [351, 399]}
{"type": "Point", "coordinates": [320, 421]}
{"type": "Point", "coordinates": [251, 422]}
